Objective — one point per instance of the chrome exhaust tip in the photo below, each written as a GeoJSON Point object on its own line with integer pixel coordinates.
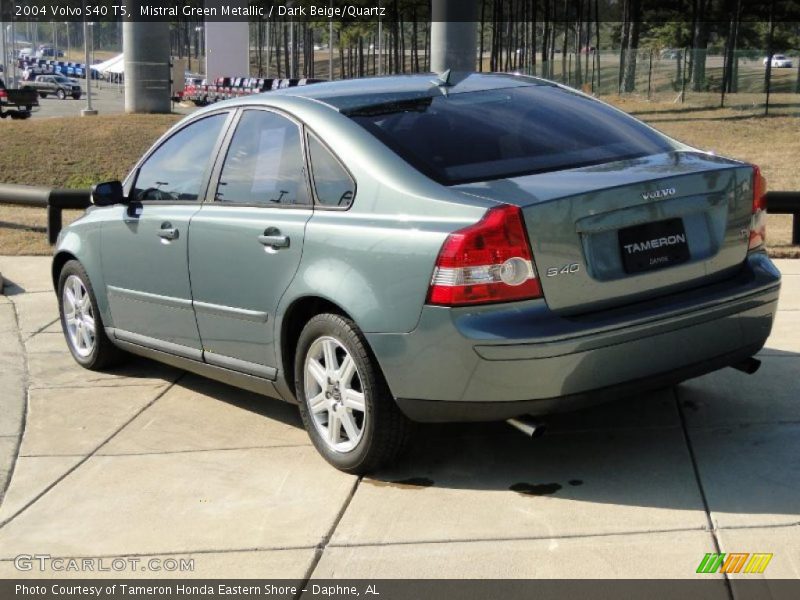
{"type": "Point", "coordinates": [749, 366]}
{"type": "Point", "coordinates": [527, 426]}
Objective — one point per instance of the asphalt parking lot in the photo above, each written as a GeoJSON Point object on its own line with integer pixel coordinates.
{"type": "Point", "coordinates": [146, 461]}
{"type": "Point", "coordinates": [107, 99]}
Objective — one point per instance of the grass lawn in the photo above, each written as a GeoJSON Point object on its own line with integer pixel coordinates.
{"type": "Point", "coordinates": [75, 152]}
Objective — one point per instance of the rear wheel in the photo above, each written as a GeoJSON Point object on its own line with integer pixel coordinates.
{"type": "Point", "coordinates": [345, 403]}
{"type": "Point", "coordinates": [61, 94]}
{"type": "Point", "coordinates": [42, 95]}
{"type": "Point", "coordinates": [81, 320]}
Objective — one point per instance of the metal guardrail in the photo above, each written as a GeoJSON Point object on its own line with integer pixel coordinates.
{"type": "Point", "coordinates": [786, 203]}
{"type": "Point", "coordinates": [56, 200]}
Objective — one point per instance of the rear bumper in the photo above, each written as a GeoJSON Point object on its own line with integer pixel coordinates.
{"type": "Point", "coordinates": [499, 362]}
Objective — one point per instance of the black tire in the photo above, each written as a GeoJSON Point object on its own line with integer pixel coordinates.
{"type": "Point", "coordinates": [104, 353]}
{"type": "Point", "coordinates": [76, 96]}
{"type": "Point", "coordinates": [42, 95]}
{"type": "Point", "coordinates": [61, 95]}
{"type": "Point", "coordinates": [385, 429]}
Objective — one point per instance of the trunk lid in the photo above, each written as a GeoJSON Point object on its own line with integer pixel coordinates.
{"type": "Point", "coordinates": [594, 230]}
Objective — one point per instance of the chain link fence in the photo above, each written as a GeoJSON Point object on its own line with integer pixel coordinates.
{"type": "Point", "coordinates": [684, 75]}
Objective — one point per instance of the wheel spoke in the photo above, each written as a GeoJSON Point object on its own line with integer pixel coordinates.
{"type": "Point", "coordinates": [86, 304]}
{"type": "Point", "coordinates": [354, 400]}
{"type": "Point", "coordinates": [329, 349]}
{"type": "Point", "coordinates": [318, 403]}
{"type": "Point", "coordinates": [317, 371]}
{"type": "Point", "coordinates": [334, 428]}
{"type": "Point", "coordinates": [345, 372]}
{"type": "Point", "coordinates": [77, 338]}
{"type": "Point", "coordinates": [88, 322]}
{"type": "Point", "coordinates": [69, 296]}
{"type": "Point", "coordinates": [87, 338]}
{"type": "Point", "coordinates": [77, 290]}
{"type": "Point", "coordinates": [349, 426]}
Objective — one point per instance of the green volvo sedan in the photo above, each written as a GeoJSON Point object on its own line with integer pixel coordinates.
{"type": "Point", "coordinates": [470, 247]}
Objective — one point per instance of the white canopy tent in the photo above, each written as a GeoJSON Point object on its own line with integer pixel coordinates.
{"type": "Point", "coordinates": [115, 65]}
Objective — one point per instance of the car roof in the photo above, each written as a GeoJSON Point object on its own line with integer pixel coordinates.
{"type": "Point", "coordinates": [357, 93]}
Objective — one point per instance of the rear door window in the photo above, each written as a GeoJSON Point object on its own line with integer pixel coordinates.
{"type": "Point", "coordinates": [264, 163]}
{"type": "Point", "coordinates": [495, 134]}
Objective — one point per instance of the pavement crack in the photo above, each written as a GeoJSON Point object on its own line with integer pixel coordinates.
{"type": "Point", "coordinates": [711, 527]}
{"type": "Point", "coordinates": [90, 455]}
{"type": "Point", "coordinates": [526, 538]}
{"type": "Point", "coordinates": [170, 452]}
{"type": "Point", "coordinates": [320, 549]}
{"type": "Point", "coordinates": [41, 329]}
{"type": "Point", "coordinates": [25, 396]}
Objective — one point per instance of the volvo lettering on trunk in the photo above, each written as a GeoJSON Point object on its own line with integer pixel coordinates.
{"type": "Point", "coordinates": [656, 194]}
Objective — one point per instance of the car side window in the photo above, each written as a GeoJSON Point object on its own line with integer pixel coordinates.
{"type": "Point", "coordinates": [264, 163]}
{"type": "Point", "coordinates": [332, 183]}
{"type": "Point", "coordinates": [175, 170]}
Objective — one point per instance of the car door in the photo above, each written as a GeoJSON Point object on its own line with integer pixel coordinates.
{"type": "Point", "coordinates": [145, 248]}
{"type": "Point", "coordinates": [246, 241]}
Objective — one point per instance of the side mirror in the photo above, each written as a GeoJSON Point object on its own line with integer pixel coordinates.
{"type": "Point", "coordinates": [108, 194]}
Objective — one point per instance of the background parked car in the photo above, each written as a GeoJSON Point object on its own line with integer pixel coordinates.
{"type": "Point", "coordinates": [56, 85]}
{"type": "Point", "coordinates": [16, 103]}
{"type": "Point", "coordinates": [779, 61]}
{"type": "Point", "coordinates": [48, 52]}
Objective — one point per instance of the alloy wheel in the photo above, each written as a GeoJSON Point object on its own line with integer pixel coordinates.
{"type": "Point", "coordinates": [78, 316]}
{"type": "Point", "coordinates": [334, 394]}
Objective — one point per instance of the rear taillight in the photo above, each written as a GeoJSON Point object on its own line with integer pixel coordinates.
{"type": "Point", "coordinates": [487, 262]}
{"type": "Point", "coordinates": [3, 94]}
{"type": "Point", "coordinates": [758, 223]}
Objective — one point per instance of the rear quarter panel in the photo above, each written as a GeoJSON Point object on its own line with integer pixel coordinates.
{"type": "Point", "coordinates": [376, 259]}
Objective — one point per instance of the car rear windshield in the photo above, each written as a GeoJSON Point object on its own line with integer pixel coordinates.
{"type": "Point", "coordinates": [496, 134]}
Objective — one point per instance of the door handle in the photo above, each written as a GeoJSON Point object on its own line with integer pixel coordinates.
{"type": "Point", "coordinates": [168, 232]}
{"type": "Point", "coordinates": [274, 239]}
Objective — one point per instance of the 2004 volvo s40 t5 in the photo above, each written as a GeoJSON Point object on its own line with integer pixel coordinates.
{"type": "Point", "coordinates": [411, 249]}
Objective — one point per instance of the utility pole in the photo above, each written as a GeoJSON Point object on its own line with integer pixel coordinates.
{"type": "Point", "coordinates": [88, 111]}
{"type": "Point", "coordinates": [330, 45]}
{"type": "Point", "coordinates": [4, 60]}
{"type": "Point", "coordinates": [380, 44]}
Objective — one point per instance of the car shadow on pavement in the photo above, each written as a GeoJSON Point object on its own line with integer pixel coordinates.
{"type": "Point", "coordinates": [10, 288]}
{"type": "Point", "coordinates": [260, 406]}
{"type": "Point", "coordinates": [726, 439]}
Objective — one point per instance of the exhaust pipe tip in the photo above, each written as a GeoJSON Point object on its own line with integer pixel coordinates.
{"type": "Point", "coordinates": [748, 366]}
{"type": "Point", "coordinates": [527, 426]}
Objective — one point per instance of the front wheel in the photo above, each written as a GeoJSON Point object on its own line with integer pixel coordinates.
{"type": "Point", "coordinates": [346, 406]}
{"type": "Point", "coordinates": [81, 320]}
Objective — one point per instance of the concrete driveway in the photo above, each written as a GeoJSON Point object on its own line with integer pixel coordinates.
{"type": "Point", "coordinates": [147, 461]}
